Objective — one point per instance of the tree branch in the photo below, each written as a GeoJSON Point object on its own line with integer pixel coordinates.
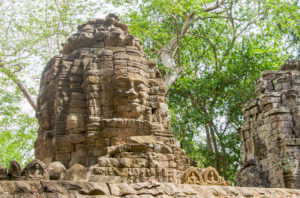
{"type": "Point", "coordinates": [216, 6]}
{"type": "Point", "coordinates": [168, 59]}
{"type": "Point", "coordinates": [19, 84]}
{"type": "Point", "coordinates": [25, 92]}
{"type": "Point", "coordinates": [214, 140]}
{"type": "Point", "coordinates": [166, 54]}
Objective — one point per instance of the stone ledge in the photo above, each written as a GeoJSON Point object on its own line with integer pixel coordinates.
{"type": "Point", "coordinates": [70, 189]}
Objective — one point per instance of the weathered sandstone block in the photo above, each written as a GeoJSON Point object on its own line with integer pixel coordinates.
{"type": "Point", "coordinates": [14, 170]}
{"type": "Point", "coordinates": [56, 171]}
{"type": "Point", "coordinates": [76, 173]}
{"type": "Point", "coordinates": [35, 170]}
{"type": "Point", "coordinates": [33, 189]}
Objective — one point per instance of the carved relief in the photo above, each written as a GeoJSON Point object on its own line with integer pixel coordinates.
{"type": "Point", "coordinates": [103, 87]}
{"type": "Point", "coordinates": [208, 176]}
{"type": "Point", "coordinates": [36, 170]}
{"type": "Point", "coordinates": [193, 176]}
{"type": "Point", "coordinates": [14, 170]}
{"type": "Point", "coordinates": [211, 176]}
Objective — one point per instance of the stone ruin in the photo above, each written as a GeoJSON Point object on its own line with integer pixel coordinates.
{"type": "Point", "coordinates": [104, 129]}
{"type": "Point", "coordinates": [271, 131]}
{"type": "Point", "coordinates": [102, 104]}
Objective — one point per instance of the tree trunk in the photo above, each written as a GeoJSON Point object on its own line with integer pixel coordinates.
{"type": "Point", "coordinates": [216, 152]}
{"type": "Point", "coordinates": [19, 84]}
{"type": "Point", "coordinates": [26, 93]}
{"type": "Point", "coordinates": [167, 50]}
{"type": "Point", "coordinates": [224, 164]}
{"type": "Point", "coordinates": [208, 140]}
{"type": "Point", "coordinates": [167, 57]}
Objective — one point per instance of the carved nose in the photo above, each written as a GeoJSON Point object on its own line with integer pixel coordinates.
{"type": "Point", "coordinates": [131, 92]}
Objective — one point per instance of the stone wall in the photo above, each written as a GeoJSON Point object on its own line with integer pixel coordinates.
{"type": "Point", "coordinates": [67, 189]}
{"type": "Point", "coordinates": [38, 180]}
{"type": "Point", "coordinates": [271, 131]}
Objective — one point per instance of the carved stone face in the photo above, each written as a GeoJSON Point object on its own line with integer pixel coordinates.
{"type": "Point", "coordinates": [102, 91]}
{"type": "Point", "coordinates": [132, 95]}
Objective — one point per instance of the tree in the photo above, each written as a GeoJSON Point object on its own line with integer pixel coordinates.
{"type": "Point", "coordinates": [211, 53]}
{"type": "Point", "coordinates": [18, 129]}
{"type": "Point", "coordinates": [30, 33]}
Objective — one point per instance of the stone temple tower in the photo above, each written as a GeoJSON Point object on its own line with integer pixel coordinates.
{"type": "Point", "coordinates": [271, 131]}
{"type": "Point", "coordinates": [103, 103]}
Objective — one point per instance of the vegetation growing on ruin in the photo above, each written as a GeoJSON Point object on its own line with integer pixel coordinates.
{"type": "Point", "coordinates": [209, 52]}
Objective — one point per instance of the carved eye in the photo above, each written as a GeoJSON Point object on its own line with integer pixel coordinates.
{"type": "Point", "coordinates": [141, 87]}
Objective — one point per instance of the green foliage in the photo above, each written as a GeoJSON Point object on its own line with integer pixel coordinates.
{"type": "Point", "coordinates": [203, 96]}
{"type": "Point", "coordinates": [30, 33]}
{"type": "Point", "coordinates": [222, 54]}
{"type": "Point", "coordinates": [18, 129]}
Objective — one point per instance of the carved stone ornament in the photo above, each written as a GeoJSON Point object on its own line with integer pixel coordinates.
{"type": "Point", "coordinates": [193, 176]}
{"type": "Point", "coordinates": [208, 176]}
{"type": "Point", "coordinates": [35, 170]}
{"type": "Point", "coordinates": [212, 177]}
{"type": "Point", "coordinates": [56, 170]}
{"type": "Point", "coordinates": [3, 173]}
{"type": "Point", "coordinates": [14, 170]}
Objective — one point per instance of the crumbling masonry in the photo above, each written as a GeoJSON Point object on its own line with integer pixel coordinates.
{"type": "Point", "coordinates": [271, 131]}
{"type": "Point", "coordinates": [102, 105]}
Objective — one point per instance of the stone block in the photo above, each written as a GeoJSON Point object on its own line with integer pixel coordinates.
{"type": "Point", "coordinates": [14, 170]}
{"type": "Point", "coordinates": [121, 189]}
{"type": "Point", "coordinates": [76, 173]}
{"type": "Point", "coordinates": [62, 156]}
{"type": "Point", "coordinates": [56, 171]}
{"type": "Point", "coordinates": [75, 123]}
